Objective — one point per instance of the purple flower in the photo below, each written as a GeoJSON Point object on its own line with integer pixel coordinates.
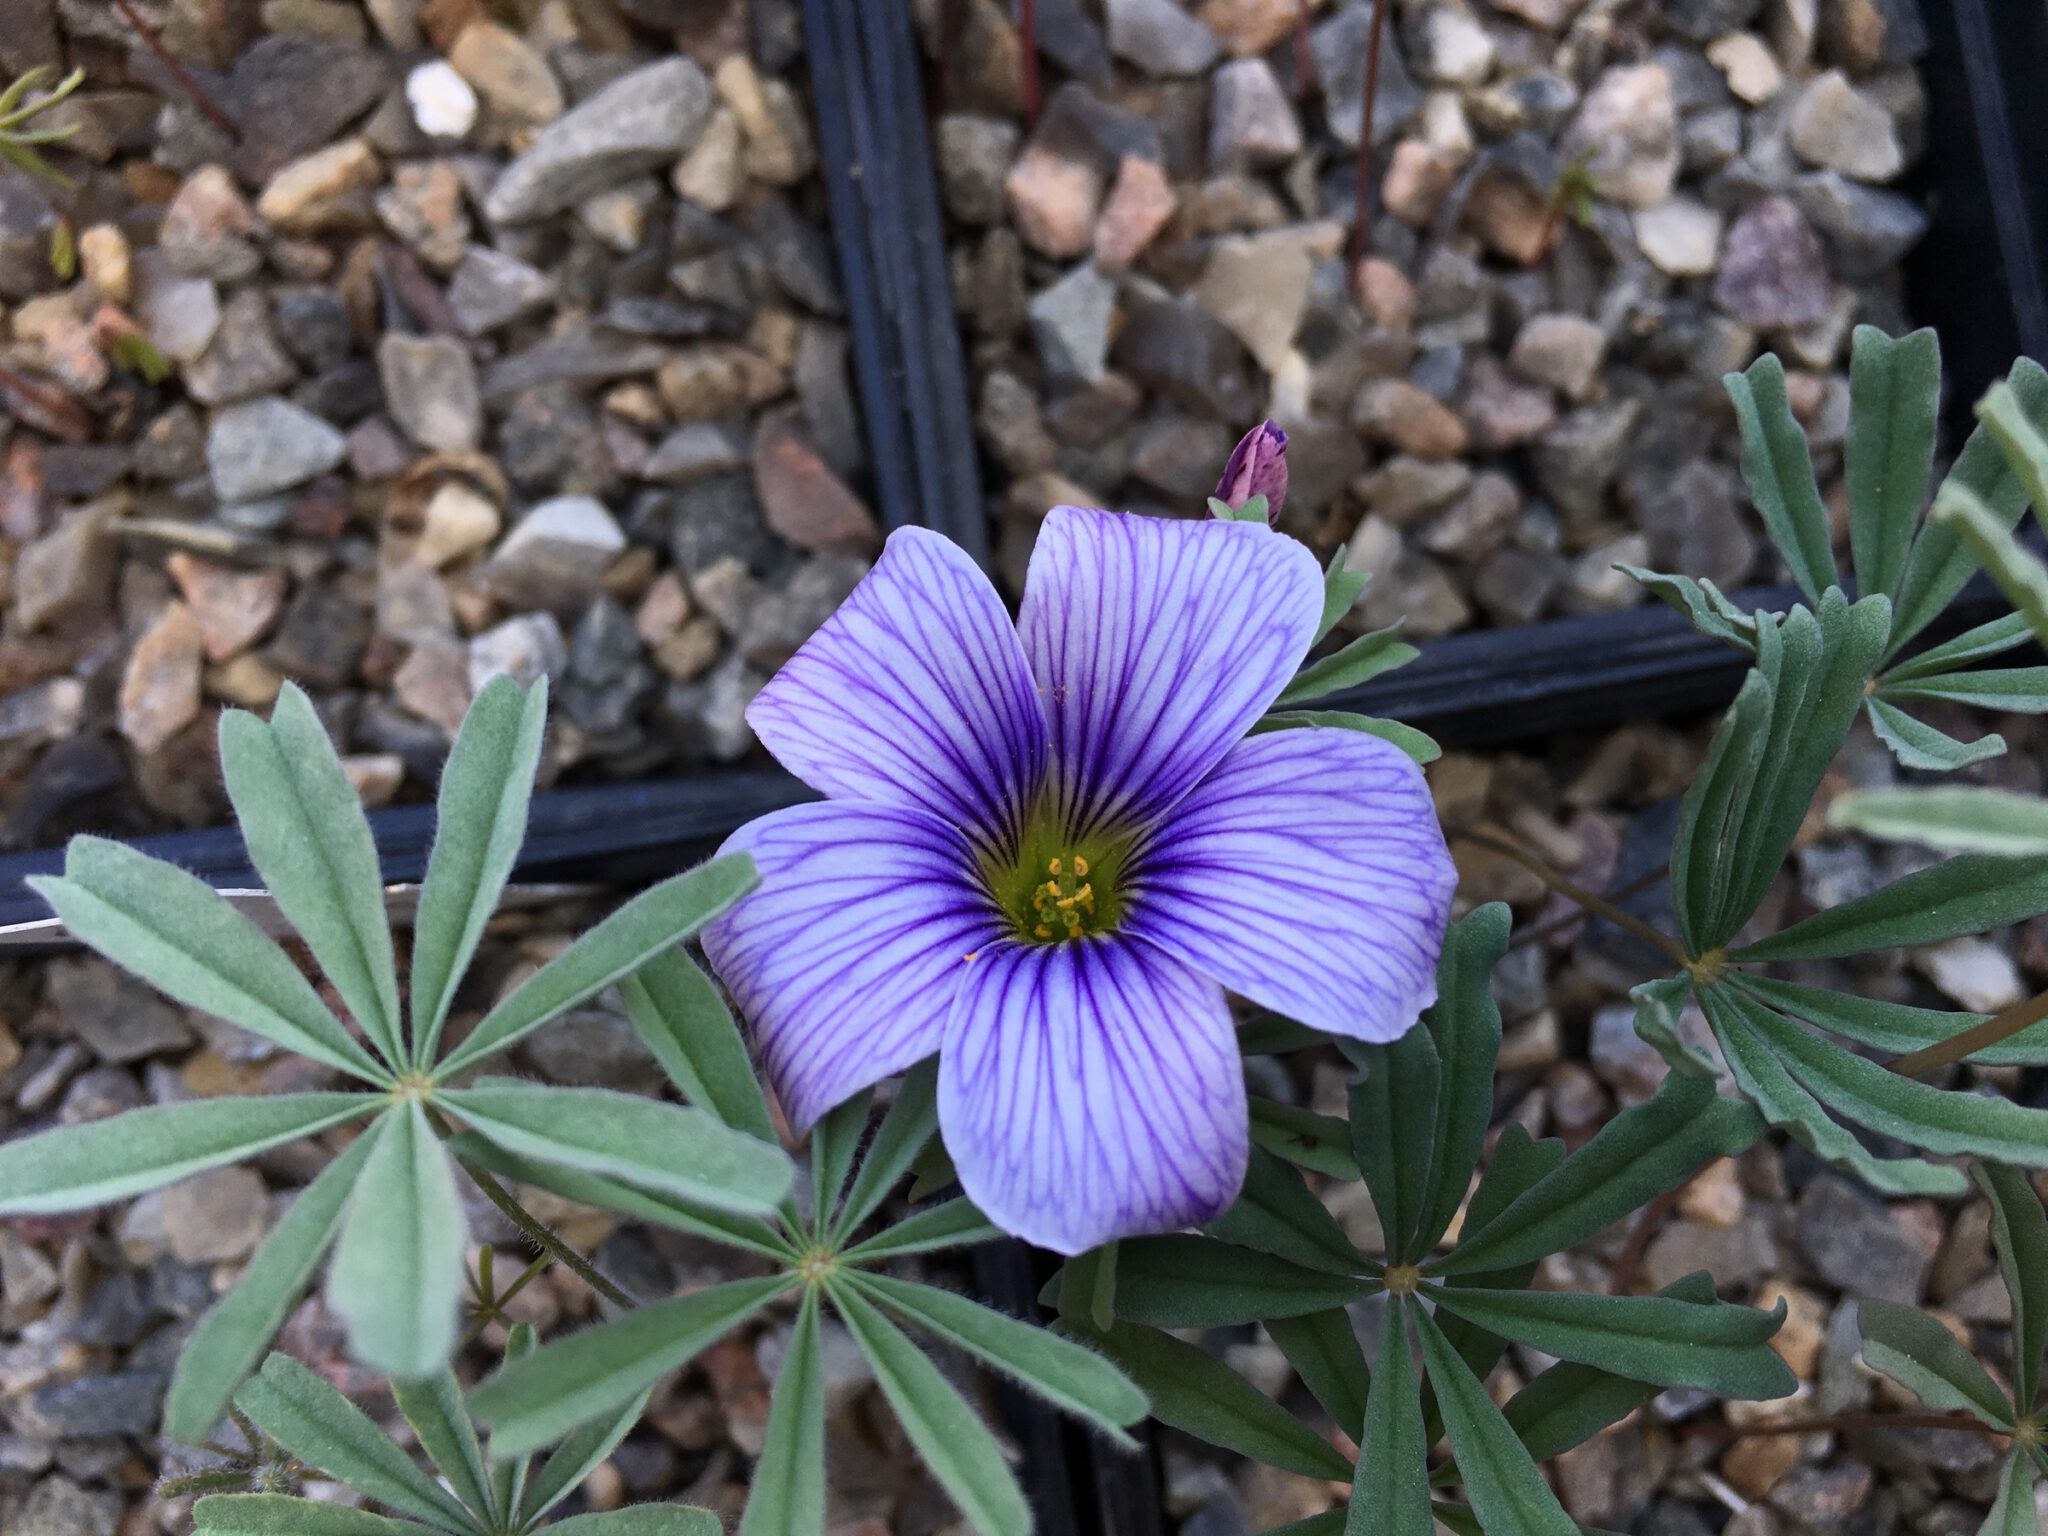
{"type": "Point", "coordinates": [1257, 467]}
{"type": "Point", "coordinates": [1047, 849]}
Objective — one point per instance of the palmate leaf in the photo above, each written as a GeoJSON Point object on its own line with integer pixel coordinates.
{"type": "Point", "coordinates": [1506, 1491]}
{"type": "Point", "coordinates": [1390, 1490]}
{"type": "Point", "coordinates": [1779, 469]}
{"type": "Point", "coordinates": [1894, 395]}
{"type": "Point", "coordinates": [1276, 1214]}
{"type": "Point", "coordinates": [306, 833]}
{"type": "Point", "coordinates": [479, 822]}
{"type": "Point", "coordinates": [1940, 562]}
{"type": "Point", "coordinates": [1662, 1339]}
{"type": "Point", "coordinates": [949, 1436]}
{"type": "Point", "coordinates": [396, 1275]}
{"type": "Point", "coordinates": [233, 1335]}
{"type": "Point", "coordinates": [1636, 1156]}
{"type": "Point", "coordinates": [279, 1514]}
{"type": "Point", "coordinates": [77, 1166]}
{"type": "Point", "coordinates": [678, 1013]}
{"type": "Point", "coordinates": [1968, 895]}
{"type": "Point", "coordinates": [656, 919]}
{"type": "Point", "coordinates": [787, 1494]}
{"type": "Point", "coordinates": [1916, 744]}
{"type": "Point", "coordinates": [1765, 1080]}
{"type": "Point", "coordinates": [666, 1148]}
{"type": "Point", "coordinates": [1073, 1379]}
{"type": "Point", "coordinates": [1920, 1354]}
{"type": "Point", "coordinates": [540, 1398]}
{"type": "Point", "coordinates": [2019, 1229]}
{"type": "Point", "coordinates": [1323, 1349]}
{"type": "Point", "coordinates": [182, 937]}
{"type": "Point", "coordinates": [296, 1407]}
{"type": "Point", "coordinates": [1194, 1392]}
{"type": "Point", "coordinates": [1182, 1281]}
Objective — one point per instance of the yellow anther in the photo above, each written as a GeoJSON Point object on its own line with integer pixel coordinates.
{"type": "Point", "coordinates": [1080, 866]}
{"type": "Point", "coordinates": [1053, 868]}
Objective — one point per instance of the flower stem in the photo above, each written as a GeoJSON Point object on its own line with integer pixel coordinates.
{"type": "Point", "coordinates": [538, 1234]}
{"type": "Point", "coordinates": [191, 87]}
{"type": "Point", "coordinates": [1571, 890]}
{"type": "Point", "coordinates": [1361, 225]}
{"type": "Point", "coordinates": [1993, 1031]}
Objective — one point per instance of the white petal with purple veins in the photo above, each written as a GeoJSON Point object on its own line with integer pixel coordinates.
{"type": "Point", "coordinates": [1307, 873]}
{"type": "Point", "coordinates": [847, 959]}
{"type": "Point", "coordinates": [1092, 1090]}
{"type": "Point", "coordinates": [1156, 644]}
{"type": "Point", "coordinates": [916, 692]}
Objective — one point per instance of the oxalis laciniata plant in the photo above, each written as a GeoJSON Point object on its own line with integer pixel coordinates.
{"type": "Point", "coordinates": [998, 960]}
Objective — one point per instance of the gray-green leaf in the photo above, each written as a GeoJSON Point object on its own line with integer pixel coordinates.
{"type": "Point", "coordinates": [678, 1013]}
{"type": "Point", "coordinates": [1923, 1356]}
{"type": "Point", "coordinates": [2013, 1511]}
{"type": "Point", "coordinates": [1968, 895]}
{"type": "Point", "coordinates": [1954, 818]}
{"type": "Point", "coordinates": [1465, 1024]}
{"type": "Point", "coordinates": [1779, 469]}
{"type": "Point", "coordinates": [1390, 1490]}
{"type": "Point", "coordinates": [1506, 1490]}
{"type": "Point", "coordinates": [577, 1457]}
{"type": "Point", "coordinates": [1916, 744]}
{"type": "Point", "coordinates": [1894, 389]}
{"type": "Point", "coordinates": [901, 1138]}
{"type": "Point", "coordinates": [1358, 662]}
{"type": "Point", "coordinates": [2020, 1229]}
{"type": "Point", "coordinates": [787, 1495]}
{"type": "Point", "coordinates": [279, 1514]}
{"type": "Point", "coordinates": [1183, 1281]}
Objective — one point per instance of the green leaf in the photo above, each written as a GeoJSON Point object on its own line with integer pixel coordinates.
{"type": "Point", "coordinates": [2020, 438]}
{"type": "Point", "coordinates": [1569, 1403]}
{"type": "Point", "coordinates": [1916, 744]}
{"type": "Point", "coordinates": [949, 1224]}
{"type": "Point", "coordinates": [2018, 574]}
{"type": "Point", "coordinates": [2013, 1511]}
{"type": "Point", "coordinates": [904, 1133]}
{"type": "Point", "coordinates": [304, 826]}
{"type": "Point", "coordinates": [1320, 1143]}
{"type": "Point", "coordinates": [1359, 661]}
{"type": "Point", "coordinates": [680, 1016]}
{"type": "Point", "coordinates": [434, 1408]}
{"type": "Point", "coordinates": [1276, 1214]}
{"type": "Point", "coordinates": [533, 1401]}
{"type": "Point", "coordinates": [1779, 470]}
{"type": "Point", "coordinates": [1786, 1104]}
{"type": "Point", "coordinates": [1393, 1129]}
{"type": "Point", "coordinates": [1323, 1349]}
{"type": "Point", "coordinates": [834, 1140]}
{"type": "Point", "coordinates": [2019, 1229]}
{"type": "Point", "coordinates": [1519, 1162]}
{"type": "Point", "coordinates": [667, 1148]}
{"type": "Point", "coordinates": [2015, 690]}
{"type": "Point", "coordinates": [1192, 1391]}
{"type": "Point", "coordinates": [1084, 1290]}
{"type": "Point", "coordinates": [1712, 613]}
{"type": "Point", "coordinates": [642, 1520]}
{"type": "Point", "coordinates": [279, 1514]}
{"type": "Point", "coordinates": [1721, 1349]}
{"type": "Point", "coordinates": [651, 922]}
{"type": "Point", "coordinates": [1658, 1007]}
{"type": "Point", "coordinates": [1183, 1281]}
{"type": "Point", "coordinates": [1894, 393]}
{"type": "Point", "coordinates": [1340, 592]}
{"type": "Point", "coordinates": [1637, 1156]}
{"type": "Point", "coordinates": [233, 1335]}
{"type": "Point", "coordinates": [181, 936]}
{"type": "Point", "coordinates": [295, 1406]}
{"type": "Point", "coordinates": [1923, 1356]}
{"type": "Point", "coordinates": [1465, 1024]}
{"type": "Point", "coordinates": [1973, 645]}
{"type": "Point", "coordinates": [1508, 1494]}
{"type": "Point", "coordinates": [479, 823]}
{"type": "Point", "coordinates": [575, 1458]}
{"type": "Point", "coordinates": [950, 1438]}
{"type": "Point", "coordinates": [1072, 1378]}
{"type": "Point", "coordinates": [1917, 1113]}
{"type": "Point", "coordinates": [1267, 1034]}
{"type": "Point", "coordinates": [1421, 748]}
{"type": "Point", "coordinates": [748, 1232]}
{"type": "Point", "coordinates": [1968, 895]}
{"type": "Point", "coordinates": [1704, 844]}
{"type": "Point", "coordinates": [787, 1493]}
{"type": "Point", "coordinates": [397, 1270]}
{"type": "Point", "coordinates": [1390, 1490]}
{"type": "Point", "coordinates": [1953, 818]}
{"type": "Point", "coordinates": [1894, 1027]}
{"type": "Point", "coordinates": [1940, 564]}
{"type": "Point", "coordinates": [76, 1166]}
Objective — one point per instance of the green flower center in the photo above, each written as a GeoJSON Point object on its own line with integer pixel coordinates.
{"type": "Point", "coordinates": [1060, 888]}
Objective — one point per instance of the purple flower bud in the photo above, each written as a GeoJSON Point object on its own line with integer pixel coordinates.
{"type": "Point", "coordinates": [1257, 467]}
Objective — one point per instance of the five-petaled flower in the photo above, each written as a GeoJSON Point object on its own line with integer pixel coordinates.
{"type": "Point", "coordinates": [1047, 849]}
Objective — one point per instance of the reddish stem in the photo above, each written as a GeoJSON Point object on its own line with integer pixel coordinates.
{"type": "Point", "coordinates": [1027, 29]}
{"type": "Point", "coordinates": [1361, 229]}
{"type": "Point", "coordinates": [1625, 1267]}
{"type": "Point", "coordinates": [191, 87]}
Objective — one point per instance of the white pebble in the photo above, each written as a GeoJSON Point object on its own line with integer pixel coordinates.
{"type": "Point", "coordinates": [442, 103]}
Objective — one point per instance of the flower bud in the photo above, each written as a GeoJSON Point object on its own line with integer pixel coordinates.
{"type": "Point", "coordinates": [1257, 467]}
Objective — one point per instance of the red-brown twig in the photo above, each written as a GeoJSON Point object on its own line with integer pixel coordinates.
{"type": "Point", "coordinates": [1027, 35]}
{"type": "Point", "coordinates": [179, 72]}
{"type": "Point", "coordinates": [1992, 1031]}
{"type": "Point", "coordinates": [1625, 1267]}
{"type": "Point", "coordinates": [1361, 227]}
